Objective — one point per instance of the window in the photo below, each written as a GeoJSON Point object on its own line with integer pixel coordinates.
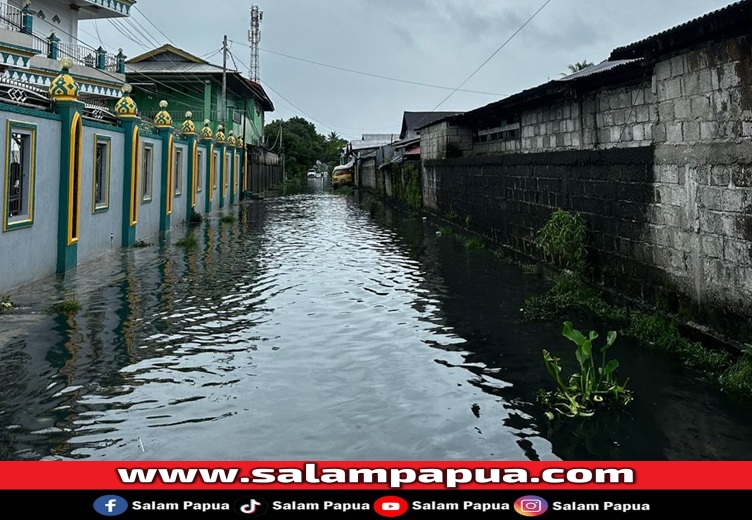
{"type": "Point", "coordinates": [227, 170]}
{"type": "Point", "coordinates": [178, 171]}
{"type": "Point", "coordinates": [215, 170]}
{"type": "Point", "coordinates": [74, 179]}
{"type": "Point", "coordinates": [199, 171]}
{"type": "Point", "coordinates": [147, 172]}
{"type": "Point", "coordinates": [101, 181]}
{"type": "Point", "coordinates": [237, 175]}
{"type": "Point", "coordinates": [19, 175]}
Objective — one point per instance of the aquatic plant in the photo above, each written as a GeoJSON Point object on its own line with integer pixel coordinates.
{"type": "Point", "coordinates": [446, 231]}
{"type": "Point", "coordinates": [737, 380]}
{"type": "Point", "coordinates": [474, 243]}
{"type": "Point", "coordinates": [67, 307]}
{"type": "Point", "coordinates": [5, 304]}
{"type": "Point", "coordinates": [188, 242]}
{"type": "Point", "coordinates": [563, 240]}
{"type": "Point", "coordinates": [227, 219]}
{"type": "Point", "coordinates": [594, 385]}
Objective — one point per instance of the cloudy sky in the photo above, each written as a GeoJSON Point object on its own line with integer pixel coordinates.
{"type": "Point", "coordinates": [354, 66]}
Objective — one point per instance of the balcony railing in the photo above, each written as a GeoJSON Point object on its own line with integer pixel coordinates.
{"type": "Point", "coordinates": [10, 17]}
{"type": "Point", "coordinates": [22, 20]}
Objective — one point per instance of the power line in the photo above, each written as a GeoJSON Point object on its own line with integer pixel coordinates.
{"type": "Point", "coordinates": [492, 55]}
{"type": "Point", "coordinates": [298, 108]}
{"type": "Point", "coordinates": [369, 74]}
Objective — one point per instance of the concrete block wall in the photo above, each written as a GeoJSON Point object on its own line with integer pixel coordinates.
{"type": "Point", "coordinates": [444, 140]}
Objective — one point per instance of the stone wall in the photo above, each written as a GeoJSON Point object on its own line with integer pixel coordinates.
{"type": "Point", "coordinates": [661, 168]}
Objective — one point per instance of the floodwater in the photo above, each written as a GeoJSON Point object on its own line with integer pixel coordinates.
{"type": "Point", "coordinates": [318, 327]}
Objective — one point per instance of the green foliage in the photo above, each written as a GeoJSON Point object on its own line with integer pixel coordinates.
{"type": "Point", "coordinates": [140, 243]}
{"type": "Point", "coordinates": [474, 243]}
{"type": "Point", "coordinates": [468, 221]}
{"type": "Point", "coordinates": [452, 215]}
{"type": "Point", "coordinates": [661, 334]}
{"type": "Point", "coordinates": [5, 304]}
{"type": "Point", "coordinates": [570, 293]}
{"type": "Point", "coordinates": [227, 219]}
{"type": "Point", "coordinates": [187, 242]}
{"type": "Point", "coordinates": [737, 379]}
{"type": "Point", "coordinates": [412, 193]}
{"type": "Point", "coordinates": [563, 240]}
{"type": "Point", "coordinates": [533, 269]}
{"type": "Point", "coordinates": [593, 386]}
{"type": "Point", "coordinates": [446, 230]}
{"type": "Point", "coordinates": [67, 307]}
{"type": "Point", "coordinates": [301, 145]}
{"type": "Point", "coordinates": [578, 66]}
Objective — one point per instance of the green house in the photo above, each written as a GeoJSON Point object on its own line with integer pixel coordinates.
{"type": "Point", "coordinates": [192, 84]}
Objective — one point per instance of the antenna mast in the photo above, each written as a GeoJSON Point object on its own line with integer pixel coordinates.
{"type": "Point", "coordinates": [254, 36]}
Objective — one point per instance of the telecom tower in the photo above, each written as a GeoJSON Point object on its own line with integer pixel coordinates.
{"type": "Point", "coordinates": [254, 36]}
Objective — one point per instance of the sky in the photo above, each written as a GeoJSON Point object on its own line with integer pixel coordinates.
{"type": "Point", "coordinates": [355, 66]}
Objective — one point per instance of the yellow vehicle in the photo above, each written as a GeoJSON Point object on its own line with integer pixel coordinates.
{"type": "Point", "coordinates": [343, 175]}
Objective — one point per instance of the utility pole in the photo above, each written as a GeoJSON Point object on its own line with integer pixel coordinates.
{"type": "Point", "coordinates": [224, 82]}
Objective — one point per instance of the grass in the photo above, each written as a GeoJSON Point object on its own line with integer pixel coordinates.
{"type": "Point", "coordinates": [653, 331]}
{"type": "Point", "coordinates": [187, 242]}
{"type": "Point", "coordinates": [227, 219]}
{"type": "Point", "coordinates": [473, 244]}
{"type": "Point", "coordinates": [737, 379]}
{"type": "Point", "coordinates": [67, 307]}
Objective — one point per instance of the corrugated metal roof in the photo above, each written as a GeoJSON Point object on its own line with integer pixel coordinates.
{"type": "Point", "coordinates": [740, 7]}
{"type": "Point", "coordinates": [365, 145]}
{"type": "Point", "coordinates": [597, 69]}
{"type": "Point", "coordinates": [154, 67]}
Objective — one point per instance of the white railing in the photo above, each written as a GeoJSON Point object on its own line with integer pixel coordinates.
{"type": "Point", "coordinates": [10, 17]}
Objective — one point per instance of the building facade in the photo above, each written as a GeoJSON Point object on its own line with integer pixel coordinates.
{"type": "Point", "coordinates": [653, 146]}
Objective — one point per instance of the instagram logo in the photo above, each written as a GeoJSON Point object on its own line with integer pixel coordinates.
{"type": "Point", "coordinates": [530, 505]}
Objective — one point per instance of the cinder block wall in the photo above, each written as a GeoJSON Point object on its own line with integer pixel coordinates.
{"type": "Point", "coordinates": [662, 169]}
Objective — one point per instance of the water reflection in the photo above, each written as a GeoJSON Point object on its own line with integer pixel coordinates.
{"type": "Point", "coordinates": [315, 326]}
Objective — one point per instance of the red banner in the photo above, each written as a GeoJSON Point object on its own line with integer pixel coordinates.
{"type": "Point", "coordinates": [375, 475]}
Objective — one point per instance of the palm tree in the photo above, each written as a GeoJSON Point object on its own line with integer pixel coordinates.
{"type": "Point", "coordinates": [333, 136]}
{"type": "Point", "coordinates": [576, 67]}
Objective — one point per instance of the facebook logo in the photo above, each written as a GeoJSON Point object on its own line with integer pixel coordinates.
{"type": "Point", "coordinates": [110, 505]}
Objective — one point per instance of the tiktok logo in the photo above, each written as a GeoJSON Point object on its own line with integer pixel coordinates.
{"type": "Point", "coordinates": [110, 505]}
{"type": "Point", "coordinates": [251, 506]}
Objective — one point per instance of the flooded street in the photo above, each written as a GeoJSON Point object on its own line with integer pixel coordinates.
{"type": "Point", "coordinates": [318, 327]}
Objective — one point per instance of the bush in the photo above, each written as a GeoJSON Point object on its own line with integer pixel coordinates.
{"type": "Point", "coordinates": [563, 240]}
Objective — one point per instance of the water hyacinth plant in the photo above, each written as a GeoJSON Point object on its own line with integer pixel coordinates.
{"type": "Point", "coordinates": [595, 385]}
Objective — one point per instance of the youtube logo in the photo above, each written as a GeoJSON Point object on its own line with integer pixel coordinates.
{"type": "Point", "coordinates": [390, 506]}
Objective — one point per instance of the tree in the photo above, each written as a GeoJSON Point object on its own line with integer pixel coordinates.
{"type": "Point", "coordinates": [302, 145]}
{"type": "Point", "coordinates": [577, 67]}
